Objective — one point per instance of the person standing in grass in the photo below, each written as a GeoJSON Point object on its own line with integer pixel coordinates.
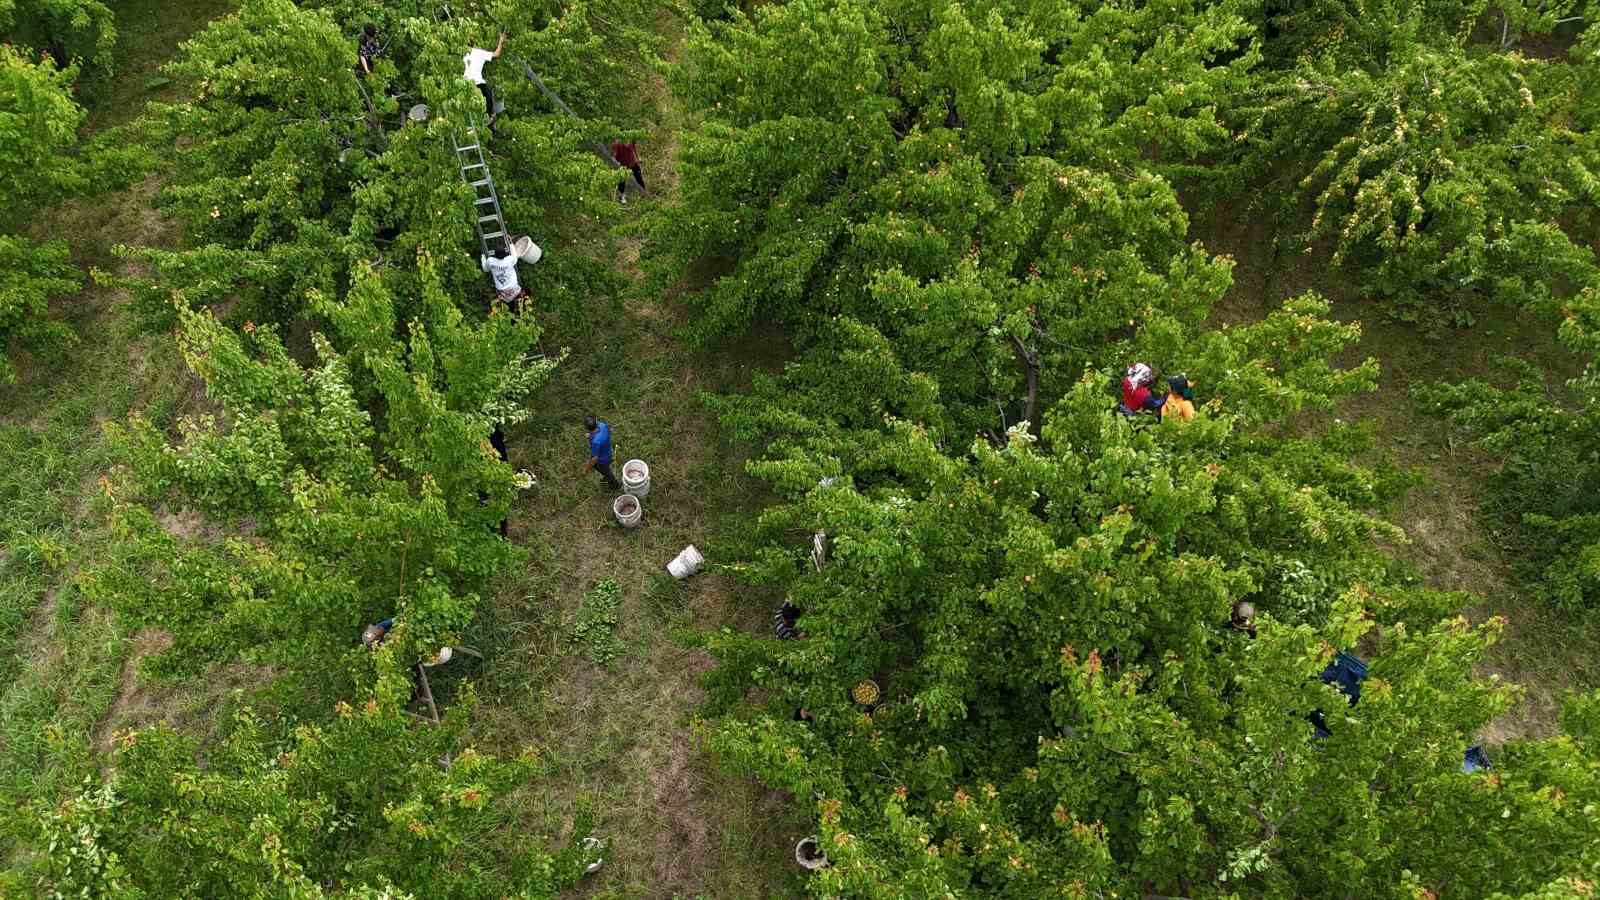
{"type": "Point", "coordinates": [600, 450]}
{"type": "Point", "coordinates": [627, 156]}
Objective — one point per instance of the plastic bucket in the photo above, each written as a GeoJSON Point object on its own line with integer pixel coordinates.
{"type": "Point", "coordinates": [808, 853]}
{"type": "Point", "coordinates": [593, 845]}
{"type": "Point", "coordinates": [628, 510]}
{"type": "Point", "coordinates": [418, 113]}
{"type": "Point", "coordinates": [636, 478]}
{"type": "Point", "coordinates": [686, 563]}
{"type": "Point", "coordinates": [529, 252]}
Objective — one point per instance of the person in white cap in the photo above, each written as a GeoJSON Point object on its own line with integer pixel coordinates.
{"type": "Point", "coordinates": [474, 61]}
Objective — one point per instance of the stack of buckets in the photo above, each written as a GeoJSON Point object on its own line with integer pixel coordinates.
{"type": "Point", "coordinates": [628, 508]}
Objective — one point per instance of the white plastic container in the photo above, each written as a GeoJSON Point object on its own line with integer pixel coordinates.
{"type": "Point", "coordinates": [526, 250]}
{"type": "Point", "coordinates": [628, 510]}
{"type": "Point", "coordinates": [636, 478]}
{"type": "Point", "coordinates": [686, 563]}
{"type": "Point", "coordinates": [418, 113]}
{"type": "Point", "coordinates": [808, 853]}
{"type": "Point", "coordinates": [593, 845]}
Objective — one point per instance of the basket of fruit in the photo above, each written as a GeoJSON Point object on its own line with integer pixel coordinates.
{"type": "Point", "coordinates": [865, 692]}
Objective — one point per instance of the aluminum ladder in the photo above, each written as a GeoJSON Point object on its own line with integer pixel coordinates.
{"type": "Point", "coordinates": [488, 219]}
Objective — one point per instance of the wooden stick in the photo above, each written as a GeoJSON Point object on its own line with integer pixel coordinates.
{"type": "Point", "coordinates": [598, 149]}
{"type": "Point", "coordinates": [427, 692]}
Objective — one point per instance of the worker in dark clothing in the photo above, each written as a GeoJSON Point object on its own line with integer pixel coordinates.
{"type": "Point", "coordinates": [627, 156]}
{"type": "Point", "coordinates": [369, 49]}
{"type": "Point", "coordinates": [600, 450]}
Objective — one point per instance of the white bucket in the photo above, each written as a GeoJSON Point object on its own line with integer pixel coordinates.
{"type": "Point", "coordinates": [527, 251]}
{"type": "Point", "coordinates": [636, 478]}
{"type": "Point", "coordinates": [628, 510]}
{"type": "Point", "coordinates": [686, 563]}
{"type": "Point", "coordinates": [808, 853]}
{"type": "Point", "coordinates": [418, 113]}
{"type": "Point", "coordinates": [593, 845]}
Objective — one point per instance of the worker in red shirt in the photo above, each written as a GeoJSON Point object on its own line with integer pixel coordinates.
{"type": "Point", "coordinates": [627, 156]}
{"type": "Point", "coordinates": [1136, 396]}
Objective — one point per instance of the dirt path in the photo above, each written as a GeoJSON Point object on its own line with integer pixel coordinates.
{"type": "Point", "coordinates": [619, 736]}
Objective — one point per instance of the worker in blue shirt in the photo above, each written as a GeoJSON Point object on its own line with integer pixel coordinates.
{"type": "Point", "coordinates": [600, 450]}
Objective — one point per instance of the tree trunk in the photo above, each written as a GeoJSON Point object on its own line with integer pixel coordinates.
{"type": "Point", "coordinates": [1030, 359]}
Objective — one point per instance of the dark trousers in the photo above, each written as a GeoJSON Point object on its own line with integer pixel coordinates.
{"type": "Point", "coordinates": [488, 98]}
{"type": "Point", "coordinates": [638, 175]}
{"type": "Point", "coordinates": [610, 477]}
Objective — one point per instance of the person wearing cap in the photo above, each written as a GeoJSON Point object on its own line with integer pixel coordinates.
{"type": "Point", "coordinates": [1179, 402]}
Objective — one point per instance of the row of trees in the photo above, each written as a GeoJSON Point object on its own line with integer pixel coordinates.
{"type": "Point", "coordinates": [329, 299]}
{"type": "Point", "coordinates": [966, 216]}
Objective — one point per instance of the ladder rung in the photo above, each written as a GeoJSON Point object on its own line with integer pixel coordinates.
{"type": "Point", "coordinates": [480, 183]}
{"type": "Point", "coordinates": [483, 200]}
{"type": "Point", "coordinates": [488, 218]}
{"type": "Point", "coordinates": [466, 148]}
{"type": "Point", "coordinates": [473, 166]}
{"type": "Point", "coordinates": [494, 234]}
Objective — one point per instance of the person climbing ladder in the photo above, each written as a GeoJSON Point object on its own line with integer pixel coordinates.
{"type": "Point", "coordinates": [474, 61]}
{"type": "Point", "coordinates": [502, 267]}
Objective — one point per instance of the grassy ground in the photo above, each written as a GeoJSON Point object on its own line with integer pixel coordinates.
{"type": "Point", "coordinates": [618, 734]}
{"type": "Point", "coordinates": [1452, 545]}
{"type": "Point", "coordinates": [63, 662]}
{"type": "Point", "coordinates": [65, 659]}
{"type": "Point", "coordinates": [148, 34]}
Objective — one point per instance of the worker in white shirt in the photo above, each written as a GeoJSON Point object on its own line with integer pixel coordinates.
{"type": "Point", "coordinates": [502, 267]}
{"type": "Point", "coordinates": [474, 61]}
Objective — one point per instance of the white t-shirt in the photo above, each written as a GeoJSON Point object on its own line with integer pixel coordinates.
{"type": "Point", "coordinates": [503, 271]}
{"type": "Point", "coordinates": [474, 60]}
